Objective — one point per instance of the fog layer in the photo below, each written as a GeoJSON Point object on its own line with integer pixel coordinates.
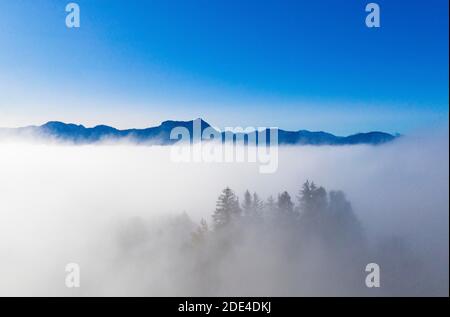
{"type": "Point", "coordinates": [126, 215]}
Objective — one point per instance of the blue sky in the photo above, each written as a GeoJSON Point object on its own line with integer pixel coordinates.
{"type": "Point", "coordinates": [292, 64]}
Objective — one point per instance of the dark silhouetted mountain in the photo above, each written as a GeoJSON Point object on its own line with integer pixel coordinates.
{"type": "Point", "coordinates": [161, 134]}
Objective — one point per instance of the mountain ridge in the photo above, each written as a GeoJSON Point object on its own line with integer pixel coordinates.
{"type": "Point", "coordinates": [80, 134]}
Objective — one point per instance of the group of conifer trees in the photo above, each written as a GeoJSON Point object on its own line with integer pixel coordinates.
{"type": "Point", "coordinates": [314, 213]}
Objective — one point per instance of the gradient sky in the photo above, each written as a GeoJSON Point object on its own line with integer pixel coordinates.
{"type": "Point", "coordinates": [292, 64]}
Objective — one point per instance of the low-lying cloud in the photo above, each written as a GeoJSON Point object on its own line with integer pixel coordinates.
{"type": "Point", "coordinates": [126, 215]}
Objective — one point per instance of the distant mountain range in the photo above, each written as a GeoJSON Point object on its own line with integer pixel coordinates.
{"type": "Point", "coordinates": [79, 134]}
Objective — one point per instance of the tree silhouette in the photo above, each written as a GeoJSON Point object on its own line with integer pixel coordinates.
{"type": "Point", "coordinates": [247, 205]}
{"type": "Point", "coordinates": [257, 205]}
{"type": "Point", "coordinates": [227, 209]}
{"type": "Point", "coordinates": [345, 227]}
{"type": "Point", "coordinates": [312, 198]}
{"type": "Point", "coordinates": [284, 204]}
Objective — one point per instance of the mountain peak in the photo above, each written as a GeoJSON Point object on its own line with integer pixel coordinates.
{"type": "Point", "coordinates": [187, 124]}
{"type": "Point", "coordinates": [61, 126]}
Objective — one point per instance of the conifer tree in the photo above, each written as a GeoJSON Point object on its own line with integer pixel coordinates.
{"type": "Point", "coordinates": [284, 203]}
{"type": "Point", "coordinates": [247, 205]}
{"type": "Point", "coordinates": [257, 205]}
{"type": "Point", "coordinates": [227, 209]}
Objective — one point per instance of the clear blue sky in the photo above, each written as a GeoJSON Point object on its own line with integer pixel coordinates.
{"type": "Point", "coordinates": [292, 64]}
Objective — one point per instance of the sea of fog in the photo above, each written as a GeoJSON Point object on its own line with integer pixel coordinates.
{"type": "Point", "coordinates": [64, 204]}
